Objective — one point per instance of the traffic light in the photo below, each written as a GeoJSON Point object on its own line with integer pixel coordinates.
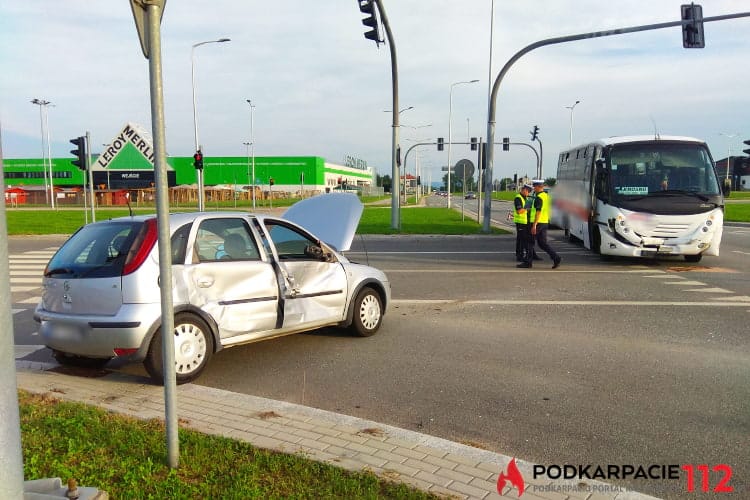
{"type": "Point", "coordinates": [692, 33]}
{"type": "Point", "coordinates": [515, 179]}
{"type": "Point", "coordinates": [506, 143]}
{"type": "Point", "coordinates": [534, 133]}
{"type": "Point", "coordinates": [474, 144]}
{"type": "Point", "coordinates": [198, 160]}
{"type": "Point", "coordinates": [80, 152]}
{"type": "Point", "coordinates": [419, 180]}
{"type": "Point", "coordinates": [440, 143]}
{"type": "Point", "coordinates": [270, 181]}
{"type": "Point", "coordinates": [746, 151]}
{"type": "Point", "coordinates": [367, 7]}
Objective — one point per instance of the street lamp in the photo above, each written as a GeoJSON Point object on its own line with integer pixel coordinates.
{"type": "Point", "coordinates": [401, 111]}
{"type": "Point", "coordinates": [195, 115]}
{"type": "Point", "coordinates": [729, 149]}
{"type": "Point", "coordinates": [450, 116]}
{"type": "Point", "coordinates": [252, 143]}
{"type": "Point", "coordinates": [571, 108]}
{"type": "Point", "coordinates": [44, 124]}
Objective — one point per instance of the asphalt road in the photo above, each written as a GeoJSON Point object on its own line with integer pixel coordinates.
{"type": "Point", "coordinates": [621, 362]}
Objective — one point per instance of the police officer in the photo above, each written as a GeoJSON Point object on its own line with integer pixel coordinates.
{"type": "Point", "coordinates": [521, 219]}
{"type": "Point", "coordinates": [539, 220]}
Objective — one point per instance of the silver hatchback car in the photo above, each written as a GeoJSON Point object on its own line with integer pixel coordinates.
{"type": "Point", "coordinates": [237, 278]}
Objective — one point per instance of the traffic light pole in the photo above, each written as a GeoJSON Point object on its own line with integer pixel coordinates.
{"type": "Point", "coordinates": [395, 169]}
{"type": "Point", "coordinates": [91, 176]}
{"type": "Point", "coordinates": [553, 41]}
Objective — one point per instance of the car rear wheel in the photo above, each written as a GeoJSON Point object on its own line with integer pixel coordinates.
{"type": "Point", "coordinates": [193, 346]}
{"type": "Point", "coordinates": [368, 313]}
{"type": "Point", "coordinates": [80, 361]}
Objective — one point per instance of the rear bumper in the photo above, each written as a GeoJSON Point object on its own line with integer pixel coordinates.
{"type": "Point", "coordinates": [99, 336]}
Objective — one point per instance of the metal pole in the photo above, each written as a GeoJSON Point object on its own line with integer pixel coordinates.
{"type": "Point", "coordinates": [252, 144]}
{"type": "Point", "coordinates": [40, 103]}
{"type": "Point", "coordinates": [162, 217]}
{"type": "Point", "coordinates": [395, 169]}
{"type": "Point", "coordinates": [199, 174]}
{"type": "Point", "coordinates": [571, 108]}
{"type": "Point", "coordinates": [11, 457]}
{"type": "Point", "coordinates": [49, 157]}
{"type": "Point", "coordinates": [90, 176]}
{"type": "Point", "coordinates": [450, 113]}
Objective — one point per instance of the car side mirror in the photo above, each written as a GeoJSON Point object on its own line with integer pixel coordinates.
{"type": "Point", "coordinates": [315, 252]}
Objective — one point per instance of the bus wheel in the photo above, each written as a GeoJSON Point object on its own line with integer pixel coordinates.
{"type": "Point", "coordinates": [694, 258]}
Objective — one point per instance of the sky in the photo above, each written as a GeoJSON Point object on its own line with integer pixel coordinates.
{"type": "Point", "coordinates": [319, 88]}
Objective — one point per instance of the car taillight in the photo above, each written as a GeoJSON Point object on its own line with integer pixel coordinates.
{"type": "Point", "coordinates": [141, 247]}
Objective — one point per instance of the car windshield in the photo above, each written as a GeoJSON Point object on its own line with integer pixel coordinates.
{"type": "Point", "coordinates": [656, 169]}
{"type": "Point", "coordinates": [95, 251]}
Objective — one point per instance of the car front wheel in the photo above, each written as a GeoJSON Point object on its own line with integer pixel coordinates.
{"type": "Point", "coordinates": [193, 347]}
{"type": "Point", "coordinates": [368, 313]}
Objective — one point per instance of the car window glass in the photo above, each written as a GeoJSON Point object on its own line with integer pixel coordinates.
{"type": "Point", "coordinates": [225, 239]}
{"type": "Point", "coordinates": [179, 244]}
{"type": "Point", "coordinates": [289, 243]}
{"type": "Point", "coordinates": [95, 251]}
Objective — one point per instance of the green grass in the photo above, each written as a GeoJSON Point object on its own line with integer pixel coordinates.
{"type": "Point", "coordinates": [126, 458]}
{"type": "Point", "coordinates": [419, 220]}
{"type": "Point", "coordinates": [738, 212]}
{"type": "Point", "coordinates": [375, 220]}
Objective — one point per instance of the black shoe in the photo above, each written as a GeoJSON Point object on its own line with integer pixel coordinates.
{"type": "Point", "coordinates": [524, 265]}
{"type": "Point", "coordinates": [556, 263]}
{"type": "Point", "coordinates": [536, 257]}
{"type": "Point", "coordinates": [519, 258]}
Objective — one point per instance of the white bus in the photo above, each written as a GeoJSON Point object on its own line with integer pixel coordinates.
{"type": "Point", "coordinates": [640, 196]}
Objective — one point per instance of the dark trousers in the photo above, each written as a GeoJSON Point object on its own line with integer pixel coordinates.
{"type": "Point", "coordinates": [523, 235]}
{"type": "Point", "coordinates": [541, 240]}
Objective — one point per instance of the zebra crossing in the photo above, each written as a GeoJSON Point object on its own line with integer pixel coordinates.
{"type": "Point", "coordinates": [26, 271]}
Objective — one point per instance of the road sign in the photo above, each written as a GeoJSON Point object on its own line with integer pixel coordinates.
{"type": "Point", "coordinates": [464, 168]}
{"type": "Point", "coordinates": [139, 15]}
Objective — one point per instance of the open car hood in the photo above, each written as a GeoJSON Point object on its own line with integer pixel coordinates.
{"type": "Point", "coordinates": [332, 217]}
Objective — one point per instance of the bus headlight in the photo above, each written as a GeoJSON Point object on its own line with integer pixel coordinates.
{"type": "Point", "coordinates": [709, 222]}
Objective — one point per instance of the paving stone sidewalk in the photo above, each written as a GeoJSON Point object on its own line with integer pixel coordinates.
{"type": "Point", "coordinates": [426, 462]}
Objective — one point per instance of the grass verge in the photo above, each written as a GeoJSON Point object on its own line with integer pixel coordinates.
{"type": "Point", "coordinates": [375, 220]}
{"type": "Point", "coordinates": [126, 457]}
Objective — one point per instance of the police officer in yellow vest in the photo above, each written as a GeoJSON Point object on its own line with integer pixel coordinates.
{"type": "Point", "coordinates": [539, 220]}
{"type": "Point", "coordinates": [521, 218]}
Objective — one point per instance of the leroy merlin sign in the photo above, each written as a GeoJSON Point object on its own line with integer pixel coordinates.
{"type": "Point", "coordinates": [132, 138]}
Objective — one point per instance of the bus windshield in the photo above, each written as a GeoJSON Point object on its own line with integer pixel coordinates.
{"type": "Point", "coordinates": [649, 169]}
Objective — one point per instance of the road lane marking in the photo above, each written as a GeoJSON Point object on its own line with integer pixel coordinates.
{"type": "Point", "coordinates": [687, 283]}
{"type": "Point", "coordinates": [709, 290]}
{"type": "Point", "coordinates": [651, 303]}
{"type": "Point", "coordinates": [509, 270]}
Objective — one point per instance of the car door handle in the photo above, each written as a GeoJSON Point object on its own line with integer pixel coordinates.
{"type": "Point", "coordinates": [205, 282]}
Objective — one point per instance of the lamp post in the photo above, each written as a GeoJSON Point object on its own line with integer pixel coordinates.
{"type": "Point", "coordinates": [450, 117]}
{"type": "Point", "coordinates": [250, 179]}
{"type": "Point", "coordinates": [729, 149]}
{"type": "Point", "coordinates": [44, 124]}
{"type": "Point", "coordinates": [571, 108]}
{"type": "Point", "coordinates": [252, 143]}
{"type": "Point", "coordinates": [195, 116]}
{"type": "Point", "coordinates": [417, 189]}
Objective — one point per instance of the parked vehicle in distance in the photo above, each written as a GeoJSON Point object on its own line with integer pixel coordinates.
{"type": "Point", "coordinates": [237, 278]}
{"type": "Point", "coordinates": [471, 196]}
{"type": "Point", "coordinates": [641, 196]}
